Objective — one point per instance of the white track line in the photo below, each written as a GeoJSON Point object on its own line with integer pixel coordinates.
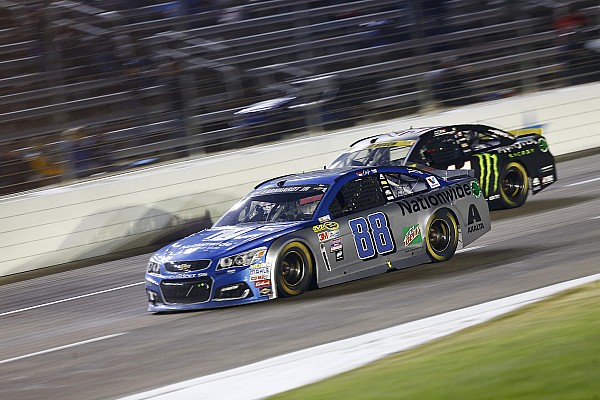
{"type": "Point", "coordinates": [61, 347]}
{"type": "Point", "coordinates": [69, 299]}
{"type": "Point", "coordinates": [582, 182]}
{"type": "Point", "coordinates": [289, 371]}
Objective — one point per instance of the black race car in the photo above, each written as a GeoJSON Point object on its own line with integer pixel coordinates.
{"type": "Point", "coordinates": [506, 164]}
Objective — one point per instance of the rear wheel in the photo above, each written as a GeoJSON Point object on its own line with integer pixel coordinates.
{"type": "Point", "coordinates": [294, 270]}
{"type": "Point", "coordinates": [441, 236]}
{"type": "Point", "coordinates": [514, 185]}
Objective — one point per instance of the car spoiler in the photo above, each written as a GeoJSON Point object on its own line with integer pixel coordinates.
{"type": "Point", "coordinates": [446, 174]}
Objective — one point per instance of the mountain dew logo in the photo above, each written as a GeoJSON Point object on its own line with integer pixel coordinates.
{"type": "Point", "coordinates": [488, 173]}
{"type": "Point", "coordinates": [412, 235]}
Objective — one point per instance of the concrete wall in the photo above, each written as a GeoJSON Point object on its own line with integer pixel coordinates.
{"type": "Point", "coordinates": [58, 225]}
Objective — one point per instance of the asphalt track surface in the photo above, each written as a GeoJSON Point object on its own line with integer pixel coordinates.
{"type": "Point", "coordinates": [85, 333]}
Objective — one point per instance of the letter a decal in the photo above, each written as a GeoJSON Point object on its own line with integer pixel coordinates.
{"type": "Point", "coordinates": [473, 214]}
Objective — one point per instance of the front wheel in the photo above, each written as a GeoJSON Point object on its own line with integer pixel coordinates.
{"type": "Point", "coordinates": [294, 270]}
{"type": "Point", "coordinates": [514, 185]}
{"type": "Point", "coordinates": [441, 236]}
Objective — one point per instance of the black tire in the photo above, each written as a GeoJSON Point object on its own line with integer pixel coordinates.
{"type": "Point", "coordinates": [514, 185]}
{"type": "Point", "coordinates": [294, 270]}
{"type": "Point", "coordinates": [441, 235]}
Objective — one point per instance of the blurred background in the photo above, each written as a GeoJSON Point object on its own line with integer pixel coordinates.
{"type": "Point", "coordinates": [88, 88]}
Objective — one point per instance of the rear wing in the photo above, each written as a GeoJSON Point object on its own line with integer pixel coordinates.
{"type": "Point", "coordinates": [532, 130]}
{"type": "Point", "coordinates": [446, 174]}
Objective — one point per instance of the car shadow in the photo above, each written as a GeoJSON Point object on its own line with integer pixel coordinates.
{"type": "Point", "coordinates": [473, 261]}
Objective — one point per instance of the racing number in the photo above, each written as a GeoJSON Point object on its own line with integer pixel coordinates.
{"type": "Point", "coordinates": [371, 235]}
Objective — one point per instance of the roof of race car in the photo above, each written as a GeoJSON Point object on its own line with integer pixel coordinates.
{"type": "Point", "coordinates": [416, 133]}
{"type": "Point", "coordinates": [320, 177]}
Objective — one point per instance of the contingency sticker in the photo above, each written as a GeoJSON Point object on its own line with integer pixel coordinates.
{"type": "Point", "coordinates": [328, 235]}
{"type": "Point", "coordinates": [412, 235]}
{"type": "Point", "coordinates": [432, 182]}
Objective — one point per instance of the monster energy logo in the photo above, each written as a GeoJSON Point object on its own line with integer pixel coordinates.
{"type": "Point", "coordinates": [488, 172]}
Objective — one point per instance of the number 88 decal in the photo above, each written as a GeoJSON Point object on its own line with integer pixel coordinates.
{"type": "Point", "coordinates": [371, 235]}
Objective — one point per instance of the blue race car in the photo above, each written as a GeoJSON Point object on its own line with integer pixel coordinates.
{"type": "Point", "coordinates": [318, 229]}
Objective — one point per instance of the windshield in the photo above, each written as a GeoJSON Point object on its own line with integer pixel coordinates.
{"type": "Point", "coordinates": [376, 154]}
{"type": "Point", "coordinates": [281, 204]}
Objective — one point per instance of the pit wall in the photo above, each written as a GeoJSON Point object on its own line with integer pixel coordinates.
{"type": "Point", "coordinates": [131, 210]}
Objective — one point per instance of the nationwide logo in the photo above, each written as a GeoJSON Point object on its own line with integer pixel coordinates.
{"type": "Point", "coordinates": [412, 235]}
{"type": "Point", "coordinates": [445, 196]}
{"type": "Point", "coordinates": [488, 173]}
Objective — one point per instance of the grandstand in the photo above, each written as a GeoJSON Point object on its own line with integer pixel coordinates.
{"type": "Point", "coordinates": [92, 87]}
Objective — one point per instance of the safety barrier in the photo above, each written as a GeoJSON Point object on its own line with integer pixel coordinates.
{"type": "Point", "coordinates": [61, 224]}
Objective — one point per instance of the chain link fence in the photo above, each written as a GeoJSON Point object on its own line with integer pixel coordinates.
{"type": "Point", "coordinates": [89, 87]}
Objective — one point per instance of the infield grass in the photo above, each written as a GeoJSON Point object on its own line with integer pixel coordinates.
{"type": "Point", "coordinates": [547, 350]}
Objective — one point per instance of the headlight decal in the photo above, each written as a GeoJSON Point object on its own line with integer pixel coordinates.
{"type": "Point", "coordinates": [244, 259]}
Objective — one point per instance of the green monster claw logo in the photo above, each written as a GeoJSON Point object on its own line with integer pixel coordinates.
{"type": "Point", "coordinates": [543, 145]}
{"type": "Point", "coordinates": [475, 189]}
{"type": "Point", "coordinates": [488, 172]}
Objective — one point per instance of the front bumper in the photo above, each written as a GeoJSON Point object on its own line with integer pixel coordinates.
{"type": "Point", "coordinates": [192, 291]}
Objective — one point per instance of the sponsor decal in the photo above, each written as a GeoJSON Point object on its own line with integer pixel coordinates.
{"type": "Point", "coordinates": [439, 132]}
{"type": "Point", "coordinates": [259, 277]}
{"type": "Point", "coordinates": [543, 145]}
{"type": "Point", "coordinates": [339, 255]}
{"type": "Point", "coordinates": [517, 146]}
{"type": "Point", "coordinates": [187, 276]}
{"type": "Point", "coordinates": [260, 271]}
{"type": "Point", "coordinates": [521, 153]}
{"type": "Point", "coordinates": [336, 245]}
{"type": "Point", "coordinates": [366, 172]}
{"type": "Point", "coordinates": [445, 196]}
{"type": "Point", "coordinates": [259, 265]}
{"type": "Point", "coordinates": [325, 218]}
{"type": "Point", "coordinates": [432, 182]}
{"type": "Point", "coordinates": [488, 172]}
{"type": "Point", "coordinates": [546, 180]}
{"type": "Point", "coordinates": [328, 235]}
{"type": "Point", "coordinates": [412, 235]}
{"type": "Point", "coordinates": [398, 143]}
{"type": "Point", "coordinates": [475, 189]}
{"type": "Point", "coordinates": [547, 168]}
{"type": "Point", "coordinates": [326, 226]}
{"type": "Point", "coordinates": [262, 283]}
{"type": "Point", "coordinates": [536, 182]}
{"type": "Point", "coordinates": [265, 291]}
{"type": "Point", "coordinates": [474, 220]}
{"type": "Point", "coordinates": [287, 189]}
{"type": "Point", "coordinates": [494, 197]}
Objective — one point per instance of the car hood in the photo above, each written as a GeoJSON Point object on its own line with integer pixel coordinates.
{"type": "Point", "coordinates": [219, 241]}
